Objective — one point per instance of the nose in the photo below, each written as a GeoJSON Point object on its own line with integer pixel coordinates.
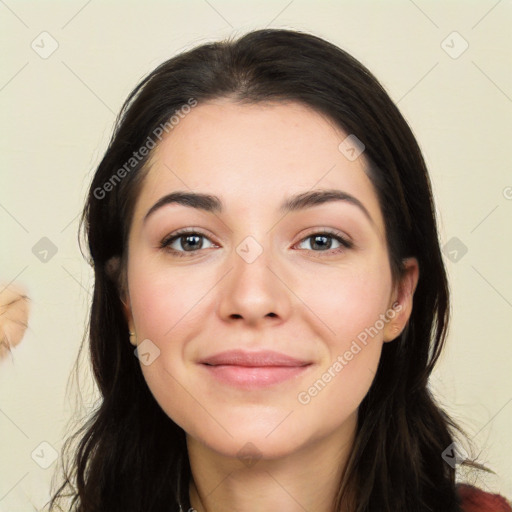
{"type": "Point", "coordinates": [254, 291]}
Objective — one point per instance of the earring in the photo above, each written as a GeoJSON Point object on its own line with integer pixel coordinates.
{"type": "Point", "coordinates": [133, 339]}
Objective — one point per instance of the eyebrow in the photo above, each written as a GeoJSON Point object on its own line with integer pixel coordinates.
{"type": "Point", "coordinates": [213, 204]}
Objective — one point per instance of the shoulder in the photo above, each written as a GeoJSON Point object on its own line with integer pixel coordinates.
{"type": "Point", "coordinates": [474, 499]}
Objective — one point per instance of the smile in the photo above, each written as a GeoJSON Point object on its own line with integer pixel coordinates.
{"type": "Point", "coordinates": [253, 369]}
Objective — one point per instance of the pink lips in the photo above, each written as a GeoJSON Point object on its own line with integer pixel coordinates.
{"type": "Point", "coordinates": [251, 370]}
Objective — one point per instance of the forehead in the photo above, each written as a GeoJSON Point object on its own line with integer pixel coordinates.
{"type": "Point", "coordinates": [254, 154]}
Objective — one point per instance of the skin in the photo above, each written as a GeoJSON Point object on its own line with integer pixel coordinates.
{"type": "Point", "coordinates": [254, 157]}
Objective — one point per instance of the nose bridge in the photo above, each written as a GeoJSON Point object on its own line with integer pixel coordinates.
{"type": "Point", "coordinates": [251, 261]}
{"type": "Point", "coordinates": [253, 291]}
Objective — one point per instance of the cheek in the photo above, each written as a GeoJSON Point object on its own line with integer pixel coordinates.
{"type": "Point", "coordinates": [346, 303]}
{"type": "Point", "coordinates": [352, 308]}
{"type": "Point", "coordinates": [163, 302]}
{"type": "Point", "coordinates": [168, 308]}
{"type": "Point", "coordinates": [328, 403]}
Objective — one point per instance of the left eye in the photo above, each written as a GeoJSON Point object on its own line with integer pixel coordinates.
{"type": "Point", "coordinates": [324, 242]}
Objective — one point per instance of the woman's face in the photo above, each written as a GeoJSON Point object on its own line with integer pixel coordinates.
{"type": "Point", "coordinates": [255, 275]}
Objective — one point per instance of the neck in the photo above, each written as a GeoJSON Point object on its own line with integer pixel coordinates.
{"type": "Point", "coordinates": [307, 479]}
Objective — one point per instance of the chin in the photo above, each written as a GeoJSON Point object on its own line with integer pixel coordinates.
{"type": "Point", "coordinates": [255, 437]}
{"type": "Point", "coordinates": [250, 448]}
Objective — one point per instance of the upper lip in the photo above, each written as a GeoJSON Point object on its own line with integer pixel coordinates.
{"type": "Point", "coordinates": [255, 359]}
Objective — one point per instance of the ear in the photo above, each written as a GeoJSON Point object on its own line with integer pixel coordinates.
{"type": "Point", "coordinates": [128, 312]}
{"type": "Point", "coordinates": [114, 272]}
{"type": "Point", "coordinates": [402, 300]}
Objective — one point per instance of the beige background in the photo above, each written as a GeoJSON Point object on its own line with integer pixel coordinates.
{"type": "Point", "coordinates": [57, 115]}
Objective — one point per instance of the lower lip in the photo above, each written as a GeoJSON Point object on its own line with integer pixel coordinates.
{"type": "Point", "coordinates": [254, 377]}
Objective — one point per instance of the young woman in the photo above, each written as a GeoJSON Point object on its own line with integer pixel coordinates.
{"type": "Point", "coordinates": [262, 230]}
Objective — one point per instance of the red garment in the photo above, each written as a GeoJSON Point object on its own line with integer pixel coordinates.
{"type": "Point", "coordinates": [476, 500]}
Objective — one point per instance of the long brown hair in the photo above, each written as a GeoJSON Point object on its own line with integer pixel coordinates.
{"type": "Point", "coordinates": [130, 455]}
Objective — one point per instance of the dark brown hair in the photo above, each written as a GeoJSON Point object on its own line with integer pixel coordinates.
{"type": "Point", "coordinates": [130, 455]}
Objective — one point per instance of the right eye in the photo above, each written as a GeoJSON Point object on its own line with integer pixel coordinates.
{"type": "Point", "coordinates": [184, 241]}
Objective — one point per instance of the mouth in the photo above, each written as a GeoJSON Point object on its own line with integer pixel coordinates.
{"type": "Point", "coordinates": [253, 370]}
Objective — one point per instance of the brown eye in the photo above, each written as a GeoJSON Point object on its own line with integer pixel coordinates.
{"type": "Point", "coordinates": [184, 242]}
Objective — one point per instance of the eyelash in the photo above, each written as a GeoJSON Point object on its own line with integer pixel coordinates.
{"type": "Point", "coordinates": [168, 240]}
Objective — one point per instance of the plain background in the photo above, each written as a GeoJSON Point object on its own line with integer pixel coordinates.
{"type": "Point", "coordinates": [57, 116]}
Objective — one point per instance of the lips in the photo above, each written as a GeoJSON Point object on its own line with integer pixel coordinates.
{"type": "Point", "coordinates": [250, 371]}
{"type": "Point", "coordinates": [263, 358]}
